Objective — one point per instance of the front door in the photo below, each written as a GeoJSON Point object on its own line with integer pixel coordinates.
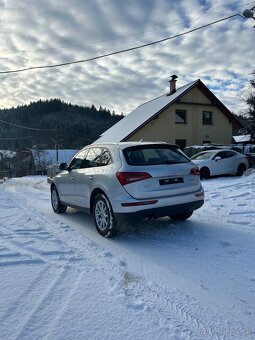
{"type": "Point", "coordinates": [67, 179]}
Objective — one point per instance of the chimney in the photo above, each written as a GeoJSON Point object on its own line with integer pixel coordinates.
{"type": "Point", "coordinates": [172, 83]}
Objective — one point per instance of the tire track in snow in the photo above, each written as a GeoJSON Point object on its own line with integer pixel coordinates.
{"type": "Point", "coordinates": [62, 309]}
{"type": "Point", "coordinates": [28, 321]}
{"type": "Point", "coordinates": [179, 315]}
{"type": "Point", "coordinates": [17, 306]}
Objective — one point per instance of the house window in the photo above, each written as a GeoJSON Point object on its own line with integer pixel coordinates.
{"type": "Point", "coordinates": [207, 118]}
{"type": "Point", "coordinates": [180, 117]}
{"type": "Point", "coordinates": [181, 142]}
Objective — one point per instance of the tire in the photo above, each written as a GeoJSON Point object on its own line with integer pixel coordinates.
{"type": "Point", "coordinates": [57, 206]}
{"type": "Point", "coordinates": [105, 222]}
{"type": "Point", "coordinates": [181, 217]}
{"type": "Point", "coordinates": [241, 169]}
{"type": "Point", "coordinates": [204, 173]}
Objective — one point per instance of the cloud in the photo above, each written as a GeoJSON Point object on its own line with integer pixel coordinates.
{"type": "Point", "coordinates": [35, 32]}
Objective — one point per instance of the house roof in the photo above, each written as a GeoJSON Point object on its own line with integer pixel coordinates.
{"type": "Point", "coordinates": [7, 153]}
{"type": "Point", "coordinates": [134, 121]}
{"type": "Point", "coordinates": [242, 138]}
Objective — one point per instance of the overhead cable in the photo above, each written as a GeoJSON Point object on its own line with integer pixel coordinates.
{"type": "Point", "coordinates": [120, 51]}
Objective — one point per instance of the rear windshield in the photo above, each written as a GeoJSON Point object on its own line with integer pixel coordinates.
{"type": "Point", "coordinates": [154, 155]}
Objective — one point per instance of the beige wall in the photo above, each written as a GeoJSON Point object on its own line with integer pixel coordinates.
{"type": "Point", "coordinates": [165, 129]}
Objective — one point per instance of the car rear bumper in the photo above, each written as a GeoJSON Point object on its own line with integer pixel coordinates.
{"type": "Point", "coordinates": [160, 211]}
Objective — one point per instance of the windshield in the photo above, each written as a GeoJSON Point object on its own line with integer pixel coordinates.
{"type": "Point", "coordinates": [154, 155]}
{"type": "Point", "coordinates": [203, 155]}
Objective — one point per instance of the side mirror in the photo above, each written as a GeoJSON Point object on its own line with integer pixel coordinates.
{"type": "Point", "coordinates": [62, 166]}
{"type": "Point", "coordinates": [217, 158]}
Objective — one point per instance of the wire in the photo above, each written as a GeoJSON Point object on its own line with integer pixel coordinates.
{"type": "Point", "coordinates": [155, 52]}
{"type": "Point", "coordinates": [120, 51]}
{"type": "Point", "coordinates": [26, 127]}
{"type": "Point", "coordinates": [115, 38]}
{"type": "Point", "coordinates": [3, 138]}
{"type": "Point", "coordinates": [235, 107]}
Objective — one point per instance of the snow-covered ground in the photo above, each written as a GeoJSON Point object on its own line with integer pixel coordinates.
{"type": "Point", "coordinates": [59, 279]}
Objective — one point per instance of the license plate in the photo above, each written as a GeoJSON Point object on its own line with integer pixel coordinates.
{"type": "Point", "coordinates": [171, 181]}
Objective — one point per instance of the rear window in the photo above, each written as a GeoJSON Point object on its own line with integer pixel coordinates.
{"type": "Point", "coordinates": [154, 155]}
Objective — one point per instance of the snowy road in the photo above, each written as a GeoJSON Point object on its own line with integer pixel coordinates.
{"type": "Point", "coordinates": [156, 280]}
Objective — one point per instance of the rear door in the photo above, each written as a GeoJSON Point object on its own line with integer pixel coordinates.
{"type": "Point", "coordinates": [169, 170]}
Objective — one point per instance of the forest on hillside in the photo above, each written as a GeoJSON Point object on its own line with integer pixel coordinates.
{"type": "Point", "coordinates": [48, 123]}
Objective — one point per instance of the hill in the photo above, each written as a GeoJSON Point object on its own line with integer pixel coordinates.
{"type": "Point", "coordinates": [50, 122]}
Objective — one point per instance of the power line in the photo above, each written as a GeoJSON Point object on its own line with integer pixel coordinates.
{"type": "Point", "coordinates": [120, 51]}
{"type": "Point", "coordinates": [114, 38]}
{"type": "Point", "coordinates": [157, 50]}
{"type": "Point", "coordinates": [4, 138]}
{"type": "Point", "coordinates": [26, 127]}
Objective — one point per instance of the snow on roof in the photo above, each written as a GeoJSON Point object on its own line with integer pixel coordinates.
{"type": "Point", "coordinates": [8, 153]}
{"type": "Point", "coordinates": [140, 115]}
{"type": "Point", "coordinates": [242, 138]}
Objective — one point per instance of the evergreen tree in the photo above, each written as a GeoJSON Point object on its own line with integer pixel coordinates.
{"type": "Point", "coordinates": [251, 113]}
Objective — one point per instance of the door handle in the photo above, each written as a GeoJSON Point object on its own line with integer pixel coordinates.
{"type": "Point", "coordinates": [72, 178]}
{"type": "Point", "coordinates": [91, 178]}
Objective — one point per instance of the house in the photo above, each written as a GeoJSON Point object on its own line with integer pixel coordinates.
{"type": "Point", "coordinates": [188, 115]}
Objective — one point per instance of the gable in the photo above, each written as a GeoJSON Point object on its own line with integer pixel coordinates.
{"type": "Point", "coordinates": [195, 96]}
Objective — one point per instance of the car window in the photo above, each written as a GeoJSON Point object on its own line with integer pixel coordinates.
{"type": "Point", "coordinates": [92, 159]}
{"type": "Point", "coordinates": [77, 160]}
{"type": "Point", "coordinates": [221, 154]}
{"type": "Point", "coordinates": [230, 154]}
{"type": "Point", "coordinates": [106, 157]}
{"type": "Point", "coordinates": [203, 155]}
{"type": "Point", "coordinates": [154, 155]}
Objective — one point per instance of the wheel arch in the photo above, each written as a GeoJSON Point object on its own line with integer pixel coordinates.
{"type": "Point", "coordinates": [205, 169]}
{"type": "Point", "coordinates": [240, 166]}
{"type": "Point", "coordinates": [93, 195]}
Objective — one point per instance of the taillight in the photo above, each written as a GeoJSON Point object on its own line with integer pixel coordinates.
{"type": "Point", "coordinates": [195, 171]}
{"type": "Point", "coordinates": [131, 177]}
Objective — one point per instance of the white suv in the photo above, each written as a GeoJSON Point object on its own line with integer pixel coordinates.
{"type": "Point", "coordinates": [128, 181]}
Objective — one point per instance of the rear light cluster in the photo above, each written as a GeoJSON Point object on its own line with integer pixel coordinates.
{"type": "Point", "coordinates": [137, 204]}
{"type": "Point", "coordinates": [131, 177]}
{"type": "Point", "coordinates": [195, 171]}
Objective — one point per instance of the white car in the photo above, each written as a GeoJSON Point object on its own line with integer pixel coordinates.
{"type": "Point", "coordinates": [128, 181]}
{"type": "Point", "coordinates": [220, 162]}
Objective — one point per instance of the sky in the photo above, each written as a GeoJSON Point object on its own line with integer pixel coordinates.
{"type": "Point", "coordinates": [36, 33]}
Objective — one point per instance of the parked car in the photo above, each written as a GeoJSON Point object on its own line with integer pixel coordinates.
{"type": "Point", "coordinates": [220, 162]}
{"type": "Point", "coordinates": [128, 181]}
